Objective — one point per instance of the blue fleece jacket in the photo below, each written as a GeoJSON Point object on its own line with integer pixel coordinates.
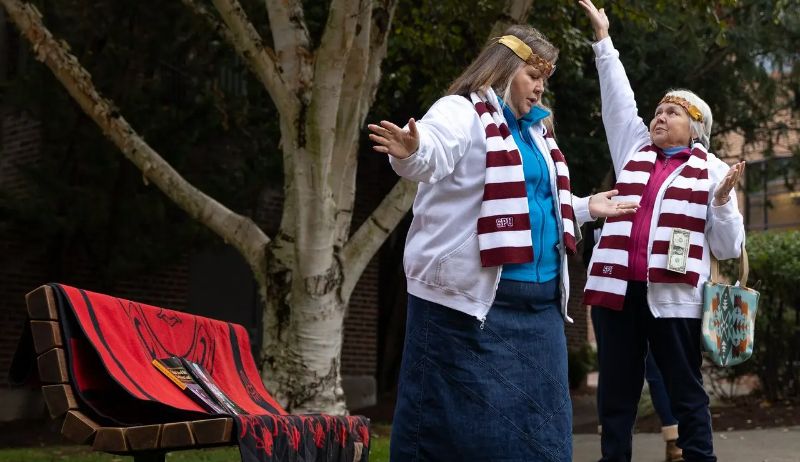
{"type": "Point", "coordinates": [541, 204]}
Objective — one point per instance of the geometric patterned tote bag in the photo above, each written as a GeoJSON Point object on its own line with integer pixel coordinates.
{"type": "Point", "coordinates": [729, 316]}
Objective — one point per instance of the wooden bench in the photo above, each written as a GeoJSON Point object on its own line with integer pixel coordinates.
{"type": "Point", "coordinates": [146, 443]}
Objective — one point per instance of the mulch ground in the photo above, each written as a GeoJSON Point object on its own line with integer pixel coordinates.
{"type": "Point", "coordinates": [743, 413]}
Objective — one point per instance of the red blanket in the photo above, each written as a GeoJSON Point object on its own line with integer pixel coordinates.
{"type": "Point", "coordinates": [111, 343]}
{"type": "Point", "coordinates": [128, 336]}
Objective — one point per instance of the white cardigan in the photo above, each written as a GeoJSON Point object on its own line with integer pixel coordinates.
{"type": "Point", "coordinates": [627, 134]}
{"type": "Point", "coordinates": [442, 260]}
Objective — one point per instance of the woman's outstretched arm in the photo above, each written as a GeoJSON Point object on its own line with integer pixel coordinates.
{"type": "Point", "coordinates": [625, 130]}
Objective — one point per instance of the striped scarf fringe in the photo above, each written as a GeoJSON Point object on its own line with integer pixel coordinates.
{"type": "Point", "coordinates": [504, 228]}
{"type": "Point", "coordinates": [684, 205]}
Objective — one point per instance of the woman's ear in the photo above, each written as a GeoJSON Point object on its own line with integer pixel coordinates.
{"type": "Point", "coordinates": [695, 137]}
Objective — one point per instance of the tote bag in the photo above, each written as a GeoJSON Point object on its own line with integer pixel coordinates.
{"type": "Point", "coordinates": [729, 316]}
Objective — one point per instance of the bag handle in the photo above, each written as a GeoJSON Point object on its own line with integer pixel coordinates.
{"type": "Point", "coordinates": [744, 267]}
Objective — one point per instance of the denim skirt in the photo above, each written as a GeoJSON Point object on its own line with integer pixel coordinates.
{"type": "Point", "coordinates": [497, 392]}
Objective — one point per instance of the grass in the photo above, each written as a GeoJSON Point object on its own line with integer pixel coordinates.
{"type": "Point", "coordinates": [85, 454]}
{"type": "Point", "coordinates": [379, 452]}
{"type": "Point", "coordinates": [379, 442]}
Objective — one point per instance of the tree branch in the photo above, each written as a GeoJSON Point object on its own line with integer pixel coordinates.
{"type": "Point", "coordinates": [361, 247]}
{"type": "Point", "coordinates": [330, 61]}
{"type": "Point", "coordinates": [360, 86]}
{"type": "Point", "coordinates": [514, 12]}
{"type": "Point", "coordinates": [315, 218]}
{"type": "Point", "coordinates": [260, 58]}
{"type": "Point", "coordinates": [352, 111]}
{"type": "Point", "coordinates": [292, 43]}
{"type": "Point", "coordinates": [218, 26]}
{"type": "Point", "coordinates": [236, 229]}
{"type": "Point", "coordinates": [382, 19]}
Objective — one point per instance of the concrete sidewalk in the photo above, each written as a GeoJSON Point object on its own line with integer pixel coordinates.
{"type": "Point", "coordinates": [765, 445]}
{"type": "Point", "coordinates": [779, 444]}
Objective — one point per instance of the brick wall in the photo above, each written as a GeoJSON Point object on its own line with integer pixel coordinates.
{"type": "Point", "coordinates": [20, 139]}
{"type": "Point", "coordinates": [359, 351]}
{"type": "Point", "coordinates": [165, 287]}
{"type": "Point", "coordinates": [20, 271]}
{"type": "Point", "coordinates": [21, 266]}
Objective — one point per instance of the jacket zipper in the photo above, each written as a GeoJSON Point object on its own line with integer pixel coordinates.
{"type": "Point", "coordinates": [537, 259]}
{"type": "Point", "coordinates": [562, 250]}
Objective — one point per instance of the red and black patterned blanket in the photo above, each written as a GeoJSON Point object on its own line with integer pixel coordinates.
{"type": "Point", "coordinates": [111, 343]}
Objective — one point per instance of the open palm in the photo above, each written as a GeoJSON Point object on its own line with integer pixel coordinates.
{"type": "Point", "coordinates": [393, 140]}
{"type": "Point", "coordinates": [725, 186]}
{"type": "Point", "coordinates": [597, 17]}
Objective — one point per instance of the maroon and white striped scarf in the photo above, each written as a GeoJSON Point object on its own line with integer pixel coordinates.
{"type": "Point", "coordinates": [504, 229]}
{"type": "Point", "coordinates": [684, 205]}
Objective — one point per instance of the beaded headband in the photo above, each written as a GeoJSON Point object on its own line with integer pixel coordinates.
{"type": "Point", "coordinates": [525, 53]}
{"type": "Point", "coordinates": [690, 108]}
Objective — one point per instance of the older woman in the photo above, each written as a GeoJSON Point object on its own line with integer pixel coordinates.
{"type": "Point", "coordinates": [647, 271]}
{"type": "Point", "coordinates": [484, 369]}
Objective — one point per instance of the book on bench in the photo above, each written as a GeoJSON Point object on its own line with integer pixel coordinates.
{"type": "Point", "coordinates": [174, 369]}
{"type": "Point", "coordinates": [201, 376]}
{"type": "Point", "coordinates": [196, 382]}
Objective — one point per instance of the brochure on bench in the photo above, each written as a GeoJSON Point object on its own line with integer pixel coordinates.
{"type": "Point", "coordinates": [175, 370]}
{"type": "Point", "coordinates": [201, 376]}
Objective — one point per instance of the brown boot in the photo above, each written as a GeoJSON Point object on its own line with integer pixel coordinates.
{"type": "Point", "coordinates": [674, 453]}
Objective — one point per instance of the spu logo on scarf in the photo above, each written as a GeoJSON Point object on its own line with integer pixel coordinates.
{"type": "Point", "coordinates": [504, 228]}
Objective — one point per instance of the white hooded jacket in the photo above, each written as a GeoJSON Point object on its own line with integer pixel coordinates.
{"type": "Point", "coordinates": [442, 260]}
{"type": "Point", "coordinates": [627, 133]}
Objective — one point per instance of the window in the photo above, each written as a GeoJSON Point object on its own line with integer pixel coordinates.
{"type": "Point", "coordinates": [772, 194]}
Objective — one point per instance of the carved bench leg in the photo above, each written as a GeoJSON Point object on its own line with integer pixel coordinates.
{"type": "Point", "coordinates": [156, 456]}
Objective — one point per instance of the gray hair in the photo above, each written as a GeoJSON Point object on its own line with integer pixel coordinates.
{"type": "Point", "coordinates": [700, 130]}
{"type": "Point", "coordinates": [496, 64]}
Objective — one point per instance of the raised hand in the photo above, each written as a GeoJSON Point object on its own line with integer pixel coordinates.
{"type": "Point", "coordinates": [722, 193]}
{"type": "Point", "coordinates": [601, 205]}
{"type": "Point", "coordinates": [393, 140]}
{"type": "Point", "coordinates": [597, 17]}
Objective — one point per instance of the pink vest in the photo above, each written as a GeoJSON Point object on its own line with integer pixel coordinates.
{"type": "Point", "coordinates": [637, 247]}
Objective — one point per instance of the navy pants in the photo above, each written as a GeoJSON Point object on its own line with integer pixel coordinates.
{"type": "Point", "coordinates": [658, 392]}
{"type": "Point", "coordinates": [497, 393]}
{"type": "Point", "coordinates": [675, 343]}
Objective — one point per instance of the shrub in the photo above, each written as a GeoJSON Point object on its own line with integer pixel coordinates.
{"type": "Point", "coordinates": [775, 272]}
{"type": "Point", "coordinates": [582, 360]}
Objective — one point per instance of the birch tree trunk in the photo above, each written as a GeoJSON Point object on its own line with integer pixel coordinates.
{"type": "Point", "coordinates": [306, 272]}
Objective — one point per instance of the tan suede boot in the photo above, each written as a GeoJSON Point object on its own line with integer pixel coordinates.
{"type": "Point", "coordinates": [673, 452]}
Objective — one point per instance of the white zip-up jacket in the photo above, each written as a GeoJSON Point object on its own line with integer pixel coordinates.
{"type": "Point", "coordinates": [627, 134]}
{"type": "Point", "coordinates": [442, 260]}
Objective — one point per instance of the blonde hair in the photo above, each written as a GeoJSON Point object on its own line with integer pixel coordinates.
{"type": "Point", "coordinates": [496, 64]}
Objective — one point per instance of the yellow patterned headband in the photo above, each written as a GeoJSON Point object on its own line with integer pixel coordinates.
{"type": "Point", "coordinates": [691, 109]}
{"type": "Point", "coordinates": [525, 53]}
